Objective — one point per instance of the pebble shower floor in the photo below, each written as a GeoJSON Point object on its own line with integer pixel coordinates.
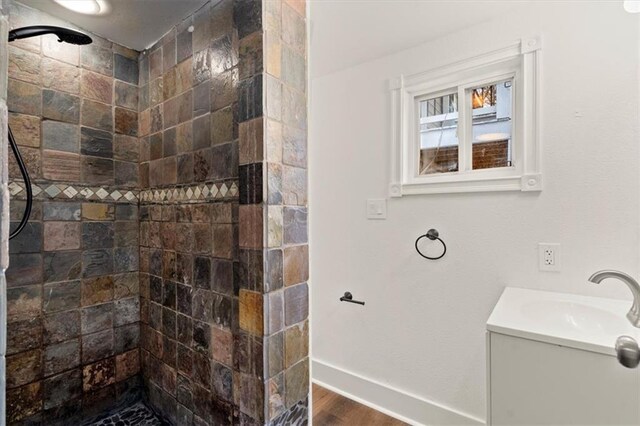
{"type": "Point", "coordinates": [136, 415]}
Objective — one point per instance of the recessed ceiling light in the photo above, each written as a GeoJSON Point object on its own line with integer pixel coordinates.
{"type": "Point", "coordinates": [86, 7]}
{"type": "Point", "coordinates": [632, 6]}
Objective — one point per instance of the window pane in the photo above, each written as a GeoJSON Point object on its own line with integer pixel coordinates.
{"type": "Point", "coordinates": [492, 121]}
{"type": "Point", "coordinates": [438, 134]}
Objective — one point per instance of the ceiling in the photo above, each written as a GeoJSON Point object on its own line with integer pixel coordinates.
{"type": "Point", "coordinates": [132, 23]}
{"type": "Point", "coordinates": [345, 33]}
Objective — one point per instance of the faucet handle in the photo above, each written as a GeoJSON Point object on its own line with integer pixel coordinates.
{"type": "Point", "coordinates": [627, 351]}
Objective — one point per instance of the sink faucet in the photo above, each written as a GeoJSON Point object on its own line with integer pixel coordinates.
{"type": "Point", "coordinates": [634, 313]}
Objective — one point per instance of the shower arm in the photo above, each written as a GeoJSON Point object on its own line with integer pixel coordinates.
{"type": "Point", "coordinates": [30, 32]}
{"type": "Point", "coordinates": [64, 34]}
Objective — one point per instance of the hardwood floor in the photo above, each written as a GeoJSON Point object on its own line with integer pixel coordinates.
{"type": "Point", "coordinates": [331, 409]}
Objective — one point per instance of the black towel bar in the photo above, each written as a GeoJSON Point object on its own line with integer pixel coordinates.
{"type": "Point", "coordinates": [348, 297]}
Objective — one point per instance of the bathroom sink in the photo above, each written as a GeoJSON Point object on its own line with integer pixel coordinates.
{"type": "Point", "coordinates": [581, 322]}
{"type": "Point", "coordinates": [576, 316]}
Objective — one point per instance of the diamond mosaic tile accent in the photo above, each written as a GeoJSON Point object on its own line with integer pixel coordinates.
{"type": "Point", "coordinates": [71, 192]}
{"type": "Point", "coordinates": [86, 193]}
{"type": "Point", "coordinates": [14, 188]}
{"type": "Point", "coordinates": [52, 191]}
{"type": "Point", "coordinates": [233, 191]}
{"type": "Point", "coordinates": [208, 191]}
{"type": "Point", "coordinates": [102, 193]}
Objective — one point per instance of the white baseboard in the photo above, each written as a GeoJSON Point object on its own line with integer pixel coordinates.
{"type": "Point", "coordinates": [393, 402]}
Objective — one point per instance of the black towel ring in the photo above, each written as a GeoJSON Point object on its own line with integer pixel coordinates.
{"type": "Point", "coordinates": [433, 235]}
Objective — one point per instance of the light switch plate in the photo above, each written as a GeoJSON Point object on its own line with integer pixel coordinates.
{"type": "Point", "coordinates": [376, 208]}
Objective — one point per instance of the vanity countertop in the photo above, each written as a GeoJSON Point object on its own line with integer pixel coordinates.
{"type": "Point", "coordinates": [581, 322]}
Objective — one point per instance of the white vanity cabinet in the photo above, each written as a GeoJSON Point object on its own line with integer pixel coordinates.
{"type": "Point", "coordinates": [551, 361]}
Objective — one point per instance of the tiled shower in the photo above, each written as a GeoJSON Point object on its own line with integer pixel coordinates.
{"type": "Point", "coordinates": [166, 258]}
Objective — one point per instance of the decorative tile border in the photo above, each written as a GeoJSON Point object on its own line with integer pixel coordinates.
{"type": "Point", "coordinates": [193, 193]}
{"type": "Point", "coordinates": [61, 191]}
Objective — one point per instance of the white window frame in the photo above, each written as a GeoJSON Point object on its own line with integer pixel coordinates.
{"type": "Point", "coordinates": [519, 61]}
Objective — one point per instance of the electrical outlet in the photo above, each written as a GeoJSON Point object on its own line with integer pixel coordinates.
{"type": "Point", "coordinates": [549, 256]}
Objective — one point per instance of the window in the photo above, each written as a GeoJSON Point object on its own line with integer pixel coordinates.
{"type": "Point", "coordinates": [469, 126]}
{"type": "Point", "coordinates": [492, 120]}
{"type": "Point", "coordinates": [438, 126]}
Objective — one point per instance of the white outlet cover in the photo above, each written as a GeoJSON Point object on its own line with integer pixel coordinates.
{"type": "Point", "coordinates": [376, 208]}
{"type": "Point", "coordinates": [549, 257]}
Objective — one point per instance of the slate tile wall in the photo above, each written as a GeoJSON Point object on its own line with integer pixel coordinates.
{"type": "Point", "coordinates": [4, 194]}
{"type": "Point", "coordinates": [286, 293]}
{"type": "Point", "coordinates": [218, 283]}
{"type": "Point", "coordinates": [225, 301]}
{"type": "Point", "coordinates": [189, 100]}
{"type": "Point", "coordinates": [188, 306]}
{"type": "Point", "coordinates": [73, 285]}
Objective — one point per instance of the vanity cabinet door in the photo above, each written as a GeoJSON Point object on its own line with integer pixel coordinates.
{"type": "Point", "coordinates": [535, 383]}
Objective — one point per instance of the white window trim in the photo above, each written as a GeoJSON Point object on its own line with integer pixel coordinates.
{"type": "Point", "coordinates": [521, 60]}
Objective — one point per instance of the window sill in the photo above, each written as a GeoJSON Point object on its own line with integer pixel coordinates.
{"type": "Point", "coordinates": [453, 184]}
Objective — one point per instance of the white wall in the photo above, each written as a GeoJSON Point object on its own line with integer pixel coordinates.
{"type": "Point", "coordinates": [422, 328]}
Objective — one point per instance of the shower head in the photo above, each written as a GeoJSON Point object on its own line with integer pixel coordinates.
{"type": "Point", "coordinates": [64, 34]}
